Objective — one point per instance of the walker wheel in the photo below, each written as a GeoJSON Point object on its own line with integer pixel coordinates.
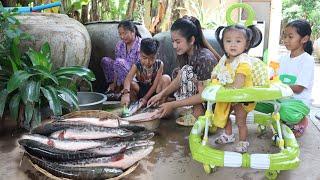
{"type": "Point", "coordinates": [271, 174]}
{"type": "Point", "coordinates": [207, 168]}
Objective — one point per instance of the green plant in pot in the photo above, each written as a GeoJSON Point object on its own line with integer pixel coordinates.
{"type": "Point", "coordinates": [29, 83]}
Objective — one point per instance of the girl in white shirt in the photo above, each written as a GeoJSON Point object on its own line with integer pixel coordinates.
{"type": "Point", "coordinates": [299, 63]}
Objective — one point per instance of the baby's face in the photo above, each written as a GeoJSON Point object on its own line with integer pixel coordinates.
{"type": "Point", "coordinates": [234, 42]}
{"type": "Point", "coordinates": [147, 60]}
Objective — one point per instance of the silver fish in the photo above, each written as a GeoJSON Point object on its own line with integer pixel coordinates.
{"type": "Point", "coordinates": [91, 132]}
{"type": "Point", "coordinates": [81, 173]}
{"type": "Point", "coordinates": [71, 145]}
{"type": "Point", "coordinates": [131, 156]}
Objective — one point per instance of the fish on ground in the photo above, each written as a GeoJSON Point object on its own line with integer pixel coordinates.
{"type": "Point", "coordinates": [131, 156]}
{"type": "Point", "coordinates": [78, 173]}
{"type": "Point", "coordinates": [91, 132]}
{"type": "Point", "coordinates": [47, 152]}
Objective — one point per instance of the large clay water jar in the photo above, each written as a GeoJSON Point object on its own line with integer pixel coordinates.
{"type": "Point", "coordinates": [104, 37]}
{"type": "Point", "coordinates": [168, 55]}
{"type": "Point", "coordinates": [69, 40]}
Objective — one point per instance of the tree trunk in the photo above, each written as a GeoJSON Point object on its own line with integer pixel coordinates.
{"type": "Point", "coordinates": [12, 3]}
{"type": "Point", "coordinates": [5, 3]}
{"type": "Point", "coordinates": [155, 26]}
{"type": "Point", "coordinates": [130, 9]}
{"type": "Point", "coordinates": [84, 14]}
{"type": "Point", "coordinates": [104, 8]}
{"type": "Point", "coordinates": [94, 10]}
{"type": "Point", "coordinates": [175, 12]}
{"type": "Point", "coordinates": [24, 2]}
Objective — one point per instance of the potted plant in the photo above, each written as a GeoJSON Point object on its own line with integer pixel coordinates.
{"type": "Point", "coordinates": [27, 80]}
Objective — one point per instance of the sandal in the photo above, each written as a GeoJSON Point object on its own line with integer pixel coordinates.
{"type": "Point", "coordinates": [225, 139]}
{"type": "Point", "coordinates": [300, 128]}
{"type": "Point", "coordinates": [242, 146]}
{"type": "Point", "coordinates": [186, 120]}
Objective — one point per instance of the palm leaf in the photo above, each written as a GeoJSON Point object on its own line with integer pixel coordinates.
{"type": "Point", "coordinates": [36, 120]}
{"type": "Point", "coordinates": [44, 72]}
{"type": "Point", "coordinates": [28, 113]}
{"type": "Point", "coordinates": [39, 59]}
{"type": "Point", "coordinates": [14, 106]}
{"type": "Point", "coordinates": [51, 95]}
{"type": "Point", "coordinates": [70, 97]}
{"type": "Point", "coordinates": [75, 70]}
{"type": "Point", "coordinates": [3, 97]}
{"type": "Point", "coordinates": [16, 80]}
{"type": "Point", "coordinates": [31, 92]}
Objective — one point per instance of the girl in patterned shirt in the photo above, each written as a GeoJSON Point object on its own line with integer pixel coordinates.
{"type": "Point", "coordinates": [126, 54]}
{"type": "Point", "coordinates": [147, 73]}
{"type": "Point", "coordinates": [196, 58]}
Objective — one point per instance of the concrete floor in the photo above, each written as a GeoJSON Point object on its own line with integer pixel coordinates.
{"type": "Point", "coordinates": [171, 158]}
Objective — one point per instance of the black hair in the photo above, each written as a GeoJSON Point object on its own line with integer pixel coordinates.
{"type": "Point", "coordinates": [189, 26]}
{"type": "Point", "coordinates": [129, 25]}
{"type": "Point", "coordinates": [252, 34]}
{"type": "Point", "coordinates": [149, 46]}
{"type": "Point", "coordinates": [303, 29]}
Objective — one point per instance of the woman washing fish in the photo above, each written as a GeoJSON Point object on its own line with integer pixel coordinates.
{"type": "Point", "coordinates": [145, 78]}
{"type": "Point", "coordinates": [196, 60]}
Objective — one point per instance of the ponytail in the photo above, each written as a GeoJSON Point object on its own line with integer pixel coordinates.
{"type": "Point", "coordinates": [308, 47]}
{"type": "Point", "coordinates": [137, 31]}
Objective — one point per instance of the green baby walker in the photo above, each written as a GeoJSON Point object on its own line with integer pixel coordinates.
{"type": "Point", "coordinates": [283, 137]}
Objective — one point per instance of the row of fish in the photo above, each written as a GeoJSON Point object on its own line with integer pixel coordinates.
{"type": "Point", "coordinates": [87, 148]}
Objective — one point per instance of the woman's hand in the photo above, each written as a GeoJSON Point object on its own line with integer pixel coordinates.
{"type": "Point", "coordinates": [154, 100]}
{"type": "Point", "coordinates": [166, 109]}
{"type": "Point", "coordinates": [125, 99]}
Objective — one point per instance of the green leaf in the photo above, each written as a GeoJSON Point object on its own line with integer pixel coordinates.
{"type": "Point", "coordinates": [14, 106]}
{"type": "Point", "coordinates": [36, 120]}
{"type": "Point", "coordinates": [70, 97]}
{"type": "Point", "coordinates": [39, 59]}
{"type": "Point", "coordinates": [52, 96]}
{"type": "Point", "coordinates": [16, 80]}
{"type": "Point", "coordinates": [3, 98]}
{"type": "Point", "coordinates": [75, 70]}
{"type": "Point", "coordinates": [45, 49]}
{"type": "Point", "coordinates": [15, 51]}
{"type": "Point", "coordinates": [44, 72]}
{"type": "Point", "coordinates": [30, 92]}
{"type": "Point", "coordinates": [28, 113]}
{"type": "Point", "coordinates": [13, 65]}
{"type": "Point", "coordinates": [89, 83]}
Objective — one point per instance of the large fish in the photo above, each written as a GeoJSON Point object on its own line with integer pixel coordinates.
{"type": "Point", "coordinates": [71, 145]}
{"type": "Point", "coordinates": [79, 173]}
{"type": "Point", "coordinates": [127, 144]}
{"type": "Point", "coordinates": [146, 116]}
{"type": "Point", "coordinates": [142, 135]}
{"type": "Point", "coordinates": [97, 121]}
{"type": "Point", "coordinates": [90, 132]}
{"type": "Point", "coordinates": [131, 156]}
{"type": "Point", "coordinates": [50, 153]}
{"type": "Point", "coordinates": [49, 128]}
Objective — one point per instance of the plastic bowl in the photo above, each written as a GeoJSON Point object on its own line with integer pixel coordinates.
{"type": "Point", "coordinates": [91, 100]}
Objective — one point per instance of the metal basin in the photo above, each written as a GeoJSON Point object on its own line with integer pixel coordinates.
{"type": "Point", "coordinates": [91, 100]}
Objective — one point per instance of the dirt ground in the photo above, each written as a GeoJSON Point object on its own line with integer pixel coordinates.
{"type": "Point", "coordinates": [171, 158]}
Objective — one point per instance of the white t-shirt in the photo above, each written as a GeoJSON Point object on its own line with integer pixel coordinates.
{"type": "Point", "coordinates": [302, 67]}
